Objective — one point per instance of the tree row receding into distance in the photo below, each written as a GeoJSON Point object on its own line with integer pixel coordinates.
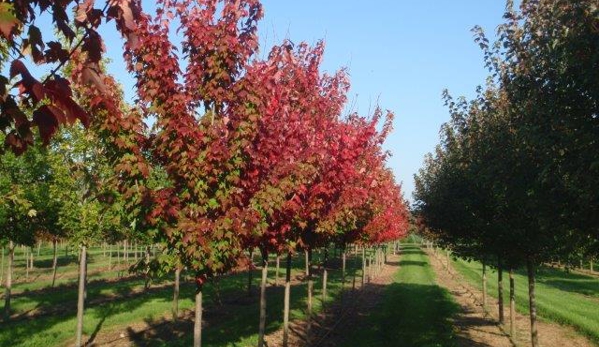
{"type": "Point", "coordinates": [220, 153]}
{"type": "Point", "coordinates": [515, 180]}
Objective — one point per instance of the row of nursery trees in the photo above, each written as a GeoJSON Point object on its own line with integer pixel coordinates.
{"type": "Point", "coordinates": [515, 180]}
{"type": "Point", "coordinates": [221, 152]}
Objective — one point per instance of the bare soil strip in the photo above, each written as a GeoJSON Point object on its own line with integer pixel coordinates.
{"type": "Point", "coordinates": [478, 328]}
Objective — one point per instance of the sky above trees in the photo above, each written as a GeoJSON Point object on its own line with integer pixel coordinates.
{"type": "Point", "coordinates": [400, 54]}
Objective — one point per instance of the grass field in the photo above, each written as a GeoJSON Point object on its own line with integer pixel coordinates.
{"type": "Point", "coordinates": [415, 312]}
{"type": "Point", "coordinates": [114, 304]}
{"type": "Point", "coordinates": [566, 298]}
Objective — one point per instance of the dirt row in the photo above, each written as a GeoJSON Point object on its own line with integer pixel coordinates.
{"type": "Point", "coordinates": [478, 328]}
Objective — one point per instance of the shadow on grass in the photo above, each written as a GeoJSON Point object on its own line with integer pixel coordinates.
{"type": "Point", "coordinates": [569, 282]}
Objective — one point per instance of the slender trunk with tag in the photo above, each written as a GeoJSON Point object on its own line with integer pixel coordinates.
{"type": "Point", "coordinates": [277, 271]}
{"type": "Point", "coordinates": [197, 324]}
{"type": "Point", "coordinates": [176, 293]}
{"type": "Point", "coordinates": [534, 334]}
{"type": "Point", "coordinates": [500, 292]}
{"type": "Point", "coordinates": [81, 296]}
{"type": "Point", "coordinates": [2, 267]}
{"type": "Point", "coordinates": [54, 264]}
{"type": "Point", "coordinates": [324, 278]}
{"type": "Point", "coordinates": [363, 266]}
{"type": "Point", "coordinates": [262, 327]}
{"type": "Point", "coordinates": [310, 290]}
{"type": "Point", "coordinates": [512, 305]}
{"type": "Point", "coordinates": [484, 287]}
{"type": "Point", "coordinates": [250, 265]}
{"type": "Point", "coordinates": [286, 303]}
{"type": "Point", "coordinates": [8, 286]}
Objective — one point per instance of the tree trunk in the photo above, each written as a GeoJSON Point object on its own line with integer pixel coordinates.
{"type": "Point", "coordinates": [343, 261]}
{"type": "Point", "coordinates": [307, 263]}
{"type": "Point", "coordinates": [8, 287]}
{"type": "Point", "coordinates": [125, 253]}
{"type": "Point", "coordinates": [534, 334]}
{"type": "Point", "coordinates": [262, 326]}
{"type": "Point", "coordinates": [109, 257]}
{"type": "Point", "coordinates": [325, 275]}
{"type": "Point", "coordinates": [500, 292]}
{"type": "Point", "coordinates": [591, 265]}
{"type": "Point", "coordinates": [310, 290]}
{"type": "Point", "coordinates": [286, 304]}
{"type": "Point", "coordinates": [54, 262]}
{"type": "Point", "coordinates": [81, 297]}
{"type": "Point", "coordinates": [176, 293]}
{"type": "Point", "coordinates": [2, 267]}
{"type": "Point", "coordinates": [250, 272]}
{"type": "Point", "coordinates": [512, 305]}
{"type": "Point", "coordinates": [363, 266]}
{"type": "Point", "coordinates": [147, 269]}
{"type": "Point", "coordinates": [39, 245]}
{"type": "Point", "coordinates": [26, 263]}
{"type": "Point", "coordinates": [484, 287]}
{"type": "Point", "coordinates": [277, 271]}
{"type": "Point", "coordinates": [197, 326]}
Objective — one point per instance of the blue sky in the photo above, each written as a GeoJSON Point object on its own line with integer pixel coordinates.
{"type": "Point", "coordinates": [401, 53]}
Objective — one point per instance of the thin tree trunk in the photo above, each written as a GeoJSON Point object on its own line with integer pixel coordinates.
{"type": "Point", "coordinates": [109, 257]}
{"type": "Point", "coordinates": [26, 263]}
{"type": "Point", "coordinates": [197, 326]}
{"type": "Point", "coordinates": [54, 262]}
{"type": "Point", "coordinates": [534, 334]}
{"type": "Point", "coordinates": [286, 304]}
{"type": "Point", "coordinates": [39, 245]}
{"type": "Point", "coordinates": [125, 253]}
{"type": "Point", "coordinates": [343, 261]}
{"type": "Point", "coordinates": [2, 267]}
{"type": "Point", "coordinates": [363, 266]}
{"type": "Point", "coordinates": [277, 271]}
{"type": "Point", "coordinates": [8, 287]}
{"type": "Point", "coordinates": [484, 287]}
{"type": "Point", "coordinates": [325, 275]}
{"type": "Point", "coordinates": [81, 297]}
{"type": "Point", "coordinates": [250, 273]}
{"type": "Point", "coordinates": [512, 305]}
{"type": "Point", "coordinates": [262, 326]}
{"type": "Point", "coordinates": [591, 265]}
{"type": "Point", "coordinates": [310, 292]}
{"type": "Point", "coordinates": [147, 269]}
{"type": "Point", "coordinates": [500, 292]}
{"type": "Point", "coordinates": [307, 263]}
{"type": "Point", "coordinates": [176, 293]}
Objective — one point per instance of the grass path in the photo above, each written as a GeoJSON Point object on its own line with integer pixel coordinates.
{"type": "Point", "coordinates": [415, 311]}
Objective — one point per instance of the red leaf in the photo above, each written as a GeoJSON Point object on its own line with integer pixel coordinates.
{"type": "Point", "coordinates": [93, 46]}
{"type": "Point", "coordinates": [18, 68]}
{"type": "Point", "coordinates": [46, 121]}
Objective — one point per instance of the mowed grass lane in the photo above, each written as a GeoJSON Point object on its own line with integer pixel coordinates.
{"type": "Point", "coordinates": [415, 311]}
{"type": "Point", "coordinates": [235, 325]}
{"type": "Point", "coordinates": [565, 298]}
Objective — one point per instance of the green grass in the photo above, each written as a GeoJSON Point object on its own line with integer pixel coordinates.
{"type": "Point", "coordinates": [566, 298]}
{"type": "Point", "coordinates": [415, 311]}
{"type": "Point", "coordinates": [237, 325]}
